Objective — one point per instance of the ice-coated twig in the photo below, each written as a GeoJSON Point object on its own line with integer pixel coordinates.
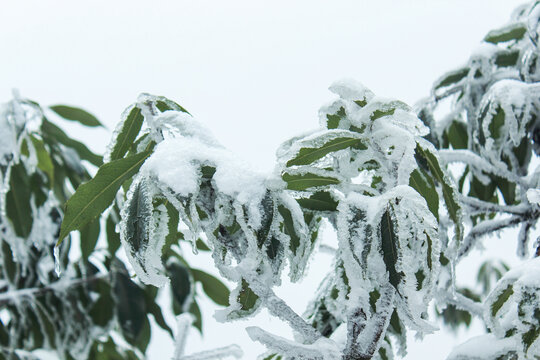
{"type": "Point", "coordinates": [279, 308]}
{"type": "Point", "coordinates": [485, 206]}
{"type": "Point", "coordinates": [183, 323]}
{"type": "Point", "coordinates": [322, 349]}
{"type": "Point", "coordinates": [485, 228]}
{"type": "Point", "coordinates": [470, 158]}
{"type": "Point", "coordinates": [216, 354]}
{"type": "Point", "coordinates": [461, 302]}
{"type": "Point", "coordinates": [13, 295]}
{"type": "Point", "coordinates": [327, 249]}
{"type": "Point", "coordinates": [365, 335]}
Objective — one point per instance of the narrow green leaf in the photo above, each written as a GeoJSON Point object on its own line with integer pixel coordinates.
{"type": "Point", "coordinates": [452, 77]}
{"type": "Point", "coordinates": [113, 238]}
{"type": "Point", "coordinates": [52, 134]}
{"type": "Point", "coordinates": [506, 58]}
{"type": "Point", "coordinates": [308, 180]}
{"type": "Point", "coordinates": [319, 201]}
{"type": "Point", "coordinates": [130, 306]}
{"type": "Point", "coordinates": [89, 238]}
{"type": "Point", "coordinates": [195, 311]}
{"type": "Point", "coordinates": [449, 193]}
{"type": "Point", "coordinates": [43, 157]}
{"type": "Point", "coordinates": [18, 208]}
{"type": "Point", "coordinates": [93, 197]}
{"type": "Point", "coordinates": [308, 155]}
{"type": "Point", "coordinates": [76, 114]}
{"type": "Point", "coordinates": [213, 287]}
{"type": "Point", "coordinates": [457, 135]}
{"type": "Point", "coordinates": [389, 248]}
{"type": "Point", "coordinates": [288, 228]}
{"type": "Point", "coordinates": [247, 298]}
{"type": "Point", "coordinates": [424, 185]}
{"type": "Point", "coordinates": [511, 32]}
{"type": "Point", "coordinates": [127, 135]}
{"type": "Point", "coordinates": [501, 299]}
{"type": "Point", "coordinates": [497, 123]}
{"type": "Point", "coordinates": [139, 213]}
{"type": "Point", "coordinates": [180, 283]}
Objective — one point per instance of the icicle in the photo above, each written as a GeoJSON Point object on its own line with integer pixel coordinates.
{"type": "Point", "coordinates": [56, 252]}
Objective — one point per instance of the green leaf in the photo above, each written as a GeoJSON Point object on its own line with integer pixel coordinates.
{"type": "Point", "coordinates": [457, 135]}
{"type": "Point", "coordinates": [155, 310]}
{"type": "Point", "coordinates": [308, 180]}
{"type": "Point", "coordinates": [130, 306]}
{"type": "Point", "coordinates": [333, 120]}
{"type": "Point", "coordinates": [497, 123]}
{"type": "Point", "coordinates": [93, 197]}
{"type": "Point", "coordinates": [501, 299]}
{"type": "Point", "coordinates": [76, 114]}
{"type": "Point", "coordinates": [52, 134]}
{"type": "Point", "coordinates": [102, 310]}
{"type": "Point", "coordinates": [195, 311]}
{"type": "Point", "coordinates": [449, 192]}
{"type": "Point", "coordinates": [89, 238]}
{"type": "Point", "coordinates": [180, 283]}
{"type": "Point", "coordinates": [451, 77]}
{"type": "Point", "coordinates": [139, 211]}
{"type": "Point", "coordinates": [308, 155]}
{"type": "Point", "coordinates": [128, 133]}
{"type": "Point", "coordinates": [506, 58]}
{"type": "Point", "coordinates": [389, 248]}
{"type": "Point", "coordinates": [18, 208]}
{"type": "Point", "coordinates": [213, 287]}
{"type": "Point", "coordinates": [113, 238]}
{"type": "Point", "coordinates": [44, 160]}
{"type": "Point", "coordinates": [424, 185]}
{"type": "Point", "coordinates": [511, 32]}
{"type": "Point", "coordinates": [319, 201]}
{"type": "Point", "coordinates": [247, 298]}
{"type": "Point", "coordinates": [288, 228]}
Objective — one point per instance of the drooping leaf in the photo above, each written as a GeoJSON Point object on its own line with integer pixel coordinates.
{"type": "Point", "coordinates": [449, 192]}
{"type": "Point", "coordinates": [457, 135]}
{"type": "Point", "coordinates": [288, 228]}
{"type": "Point", "coordinates": [307, 155]}
{"type": "Point", "coordinates": [181, 283]}
{"type": "Point", "coordinates": [93, 197]}
{"type": "Point", "coordinates": [389, 248]}
{"type": "Point", "coordinates": [76, 114]}
{"type": "Point", "coordinates": [43, 157]}
{"type": "Point", "coordinates": [127, 135]}
{"type": "Point", "coordinates": [139, 212]}
{"type": "Point", "coordinates": [213, 287]}
{"type": "Point", "coordinates": [424, 185]}
{"type": "Point", "coordinates": [130, 306]}
{"type": "Point", "coordinates": [89, 238]}
{"type": "Point", "coordinates": [53, 134]}
{"type": "Point", "coordinates": [18, 208]}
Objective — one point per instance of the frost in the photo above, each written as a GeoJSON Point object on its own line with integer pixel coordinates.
{"type": "Point", "coordinates": [533, 195]}
{"type": "Point", "coordinates": [483, 347]}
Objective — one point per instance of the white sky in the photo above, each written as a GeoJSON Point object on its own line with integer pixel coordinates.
{"type": "Point", "coordinates": [255, 72]}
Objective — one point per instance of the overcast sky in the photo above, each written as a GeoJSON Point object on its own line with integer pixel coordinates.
{"type": "Point", "coordinates": [255, 72]}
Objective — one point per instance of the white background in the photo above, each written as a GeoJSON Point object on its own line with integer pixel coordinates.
{"type": "Point", "coordinates": [255, 72]}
